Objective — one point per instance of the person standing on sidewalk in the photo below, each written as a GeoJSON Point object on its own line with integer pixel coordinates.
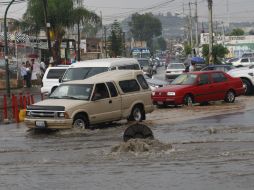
{"type": "Point", "coordinates": [28, 74]}
{"type": "Point", "coordinates": [36, 73]}
{"type": "Point", "coordinates": [23, 73]}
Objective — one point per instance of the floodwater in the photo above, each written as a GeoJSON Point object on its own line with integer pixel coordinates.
{"type": "Point", "coordinates": [203, 154]}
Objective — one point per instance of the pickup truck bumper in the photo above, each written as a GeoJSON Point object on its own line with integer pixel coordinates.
{"type": "Point", "coordinates": [49, 123]}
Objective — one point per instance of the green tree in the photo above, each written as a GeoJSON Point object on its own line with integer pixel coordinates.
{"type": "Point", "coordinates": [218, 52]}
{"type": "Point", "coordinates": [237, 32]}
{"type": "Point", "coordinates": [187, 49]}
{"type": "Point", "coordinates": [115, 40]}
{"type": "Point", "coordinates": [251, 32]}
{"type": "Point", "coordinates": [61, 16]}
{"type": "Point", "coordinates": [162, 44]}
{"type": "Point", "coordinates": [145, 27]}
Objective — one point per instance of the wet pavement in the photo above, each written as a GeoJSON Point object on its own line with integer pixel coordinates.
{"type": "Point", "coordinates": [209, 153]}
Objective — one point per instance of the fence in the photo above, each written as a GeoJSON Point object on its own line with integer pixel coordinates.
{"type": "Point", "coordinates": [11, 107]}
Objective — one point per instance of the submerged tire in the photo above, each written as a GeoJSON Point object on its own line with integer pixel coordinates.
{"type": "Point", "coordinates": [137, 131]}
{"type": "Point", "coordinates": [230, 96]}
{"type": "Point", "coordinates": [248, 86]}
{"type": "Point", "coordinates": [188, 100]}
{"type": "Point", "coordinates": [137, 114]}
{"type": "Point", "coordinates": [80, 122]}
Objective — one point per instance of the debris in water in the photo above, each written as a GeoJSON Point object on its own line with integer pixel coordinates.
{"type": "Point", "coordinates": [212, 131]}
{"type": "Point", "coordinates": [141, 145]}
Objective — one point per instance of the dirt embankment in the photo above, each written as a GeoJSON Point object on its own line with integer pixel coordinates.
{"type": "Point", "coordinates": [184, 113]}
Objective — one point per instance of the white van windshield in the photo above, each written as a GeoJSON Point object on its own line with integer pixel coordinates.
{"type": "Point", "coordinates": [82, 73]}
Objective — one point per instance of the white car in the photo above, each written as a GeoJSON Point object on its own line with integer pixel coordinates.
{"type": "Point", "coordinates": [51, 77]}
{"type": "Point", "coordinates": [247, 76]}
{"type": "Point", "coordinates": [243, 62]}
{"type": "Point", "coordinates": [174, 70]}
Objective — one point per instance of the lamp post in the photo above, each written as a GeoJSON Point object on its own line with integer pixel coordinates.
{"type": "Point", "coordinates": [6, 56]}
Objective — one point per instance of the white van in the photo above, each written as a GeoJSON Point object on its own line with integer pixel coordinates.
{"type": "Point", "coordinates": [85, 69]}
{"type": "Point", "coordinates": [51, 77]}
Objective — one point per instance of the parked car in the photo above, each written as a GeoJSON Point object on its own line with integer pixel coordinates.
{"type": "Point", "coordinates": [243, 62]}
{"type": "Point", "coordinates": [85, 69]}
{"type": "Point", "coordinates": [247, 76]}
{"type": "Point", "coordinates": [248, 54]}
{"type": "Point", "coordinates": [223, 67]}
{"type": "Point", "coordinates": [106, 97]}
{"type": "Point", "coordinates": [146, 66]}
{"type": "Point", "coordinates": [50, 80]}
{"type": "Point", "coordinates": [174, 70]}
{"type": "Point", "coordinates": [199, 87]}
{"type": "Point", "coordinates": [155, 83]}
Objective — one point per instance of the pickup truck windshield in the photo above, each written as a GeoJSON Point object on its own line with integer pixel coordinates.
{"type": "Point", "coordinates": [73, 91]}
{"type": "Point", "coordinates": [80, 73]}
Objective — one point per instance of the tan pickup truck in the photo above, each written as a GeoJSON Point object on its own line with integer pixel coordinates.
{"type": "Point", "coordinates": [106, 97]}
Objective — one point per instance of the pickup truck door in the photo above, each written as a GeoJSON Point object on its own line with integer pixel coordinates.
{"type": "Point", "coordinates": [104, 107]}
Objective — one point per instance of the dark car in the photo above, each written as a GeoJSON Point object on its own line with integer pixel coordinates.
{"type": "Point", "coordinates": [224, 68]}
{"type": "Point", "coordinates": [155, 83]}
{"type": "Point", "coordinates": [146, 66]}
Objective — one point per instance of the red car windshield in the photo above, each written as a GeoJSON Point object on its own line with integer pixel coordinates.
{"type": "Point", "coordinates": [185, 79]}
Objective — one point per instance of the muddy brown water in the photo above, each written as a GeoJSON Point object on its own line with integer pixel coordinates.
{"type": "Point", "coordinates": [215, 152]}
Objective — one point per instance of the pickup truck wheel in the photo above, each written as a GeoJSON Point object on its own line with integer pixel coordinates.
{"type": "Point", "coordinates": [230, 97]}
{"type": "Point", "coordinates": [247, 87]}
{"type": "Point", "coordinates": [137, 114]}
{"type": "Point", "coordinates": [80, 122]}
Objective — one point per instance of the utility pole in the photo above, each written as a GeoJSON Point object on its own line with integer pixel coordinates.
{"type": "Point", "coordinates": [197, 38]}
{"type": "Point", "coordinates": [101, 46]}
{"type": "Point", "coordinates": [47, 24]}
{"type": "Point", "coordinates": [190, 26]}
{"type": "Point", "coordinates": [6, 53]}
{"type": "Point", "coordinates": [210, 20]}
{"type": "Point", "coordinates": [223, 34]}
{"type": "Point", "coordinates": [105, 34]}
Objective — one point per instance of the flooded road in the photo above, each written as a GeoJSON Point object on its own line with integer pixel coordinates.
{"type": "Point", "coordinates": [215, 152]}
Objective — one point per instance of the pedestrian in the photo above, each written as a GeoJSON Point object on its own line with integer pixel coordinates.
{"type": "Point", "coordinates": [28, 74]}
{"type": "Point", "coordinates": [192, 66]}
{"type": "Point", "coordinates": [36, 73]}
{"type": "Point", "coordinates": [42, 67]}
{"type": "Point", "coordinates": [23, 73]}
{"type": "Point", "coordinates": [167, 61]}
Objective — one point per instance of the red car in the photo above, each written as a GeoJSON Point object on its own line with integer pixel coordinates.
{"type": "Point", "coordinates": [199, 87]}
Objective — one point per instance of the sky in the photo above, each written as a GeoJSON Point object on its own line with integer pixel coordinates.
{"type": "Point", "coordinates": [223, 10]}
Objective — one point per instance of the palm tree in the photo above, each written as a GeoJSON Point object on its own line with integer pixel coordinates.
{"type": "Point", "coordinates": [83, 16]}
{"type": "Point", "coordinates": [61, 15]}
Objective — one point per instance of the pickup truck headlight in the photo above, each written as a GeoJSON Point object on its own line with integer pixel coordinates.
{"type": "Point", "coordinates": [63, 115]}
{"type": "Point", "coordinates": [171, 93]}
{"type": "Point", "coordinates": [153, 93]}
{"type": "Point", "coordinates": [28, 113]}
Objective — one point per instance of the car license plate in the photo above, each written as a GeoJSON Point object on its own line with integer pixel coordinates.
{"type": "Point", "coordinates": [160, 103]}
{"type": "Point", "coordinates": [40, 124]}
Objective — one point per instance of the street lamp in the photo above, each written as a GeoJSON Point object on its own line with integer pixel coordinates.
{"type": "Point", "coordinates": [6, 56]}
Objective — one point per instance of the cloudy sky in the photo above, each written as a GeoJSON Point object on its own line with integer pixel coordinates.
{"type": "Point", "coordinates": [223, 10]}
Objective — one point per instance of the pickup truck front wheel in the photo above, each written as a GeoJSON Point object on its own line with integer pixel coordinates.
{"type": "Point", "coordinates": [80, 122]}
{"type": "Point", "coordinates": [137, 114]}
